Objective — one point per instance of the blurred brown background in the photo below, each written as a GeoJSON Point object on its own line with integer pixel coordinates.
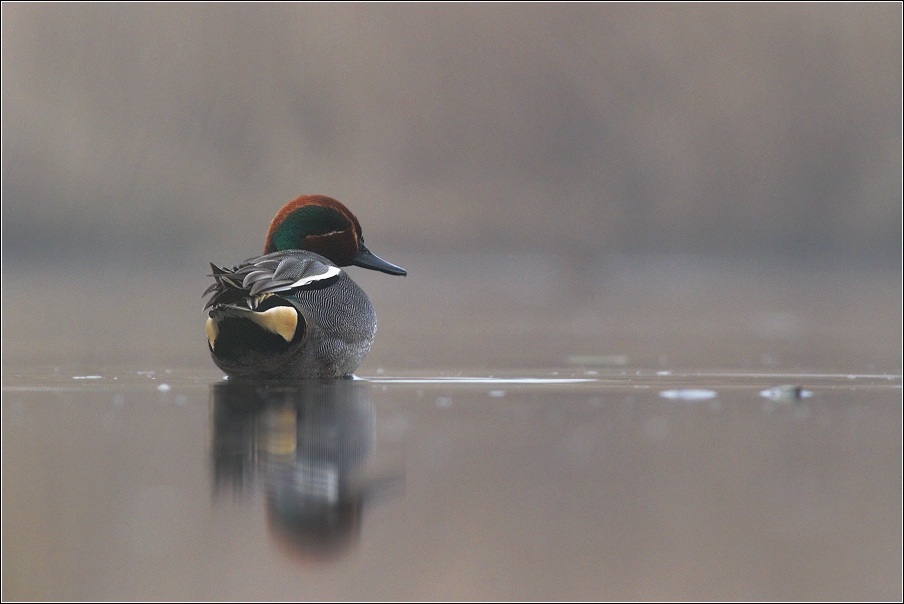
{"type": "Point", "coordinates": [654, 196]}
{"type": "Point", "coordinates": [172, 133]}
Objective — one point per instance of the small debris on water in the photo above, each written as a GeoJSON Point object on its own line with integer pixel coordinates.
{"type": "Point", "coordinates": [688, 394]}
{"type": "Point", "coordinates": [163, 387]}
{"type": "Point", "coordinates": [87, 377]}
{"type": "Point", "coordinates": [497, 393]}
{"type": "Point", "coordinates": [786, 393]}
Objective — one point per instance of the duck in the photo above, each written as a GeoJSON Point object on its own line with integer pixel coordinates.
{"type": "Point", "coordinates": [293, 313]}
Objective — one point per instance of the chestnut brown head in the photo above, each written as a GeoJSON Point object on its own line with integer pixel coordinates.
{"type": "Point", "coordinates": [322, 225]}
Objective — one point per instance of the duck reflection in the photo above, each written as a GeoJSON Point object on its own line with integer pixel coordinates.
{"type": "Point", "coordinates": [304, 444]}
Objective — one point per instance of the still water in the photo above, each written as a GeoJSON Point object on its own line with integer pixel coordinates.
{"type": "Point", "coordinates": [558, 447]}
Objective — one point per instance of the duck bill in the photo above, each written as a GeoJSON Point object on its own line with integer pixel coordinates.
{"type": "Point", "coordinates": [366, 259]}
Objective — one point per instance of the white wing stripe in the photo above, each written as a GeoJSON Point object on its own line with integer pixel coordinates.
{"type": "Point", "coordinates": [331, 271]}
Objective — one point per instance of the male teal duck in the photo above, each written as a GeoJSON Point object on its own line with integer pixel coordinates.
{"type": "Point", "coordinates": [293, 313]}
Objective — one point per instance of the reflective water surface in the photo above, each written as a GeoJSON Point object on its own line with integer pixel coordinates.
{"type": "Point", "coordinates": [423, 488]}
{"type": "Point", "coordinates": [740, 445]}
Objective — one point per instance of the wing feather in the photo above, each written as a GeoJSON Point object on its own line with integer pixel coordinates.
{"type": "Point", "coordinates": [282, 272]}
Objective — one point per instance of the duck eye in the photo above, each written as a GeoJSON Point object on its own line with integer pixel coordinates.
{"type": "Point", "coordinates": [320, 220]}
{"type": "Point", "coordinates": [305, 222]}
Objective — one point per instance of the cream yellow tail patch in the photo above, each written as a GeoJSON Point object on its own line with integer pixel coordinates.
{"type": "Point", "coordinates": [281, 320]}
{"type": "Point", "coordinates": [212, 331]}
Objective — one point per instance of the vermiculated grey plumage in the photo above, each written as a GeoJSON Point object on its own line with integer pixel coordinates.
{"type": "Point", "coordinates": [336, 321]}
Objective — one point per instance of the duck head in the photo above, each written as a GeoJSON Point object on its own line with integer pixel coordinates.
{"type": "Point", "coordinates": [322, 225]}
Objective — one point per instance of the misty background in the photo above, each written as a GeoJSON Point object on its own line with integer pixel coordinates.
{"type": "Point", "coordinates": [673, 185]}
{"type": "Point", "coordinates": [165, 132]}
{"type": "Point", "coordinates": [701, 197]}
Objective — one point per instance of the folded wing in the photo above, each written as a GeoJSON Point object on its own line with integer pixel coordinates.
{"type": "Point", "coordinates": [280, 272]}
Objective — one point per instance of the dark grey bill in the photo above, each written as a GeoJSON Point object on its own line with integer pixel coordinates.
{"type": "Point", "coordinates": [366, 259]}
